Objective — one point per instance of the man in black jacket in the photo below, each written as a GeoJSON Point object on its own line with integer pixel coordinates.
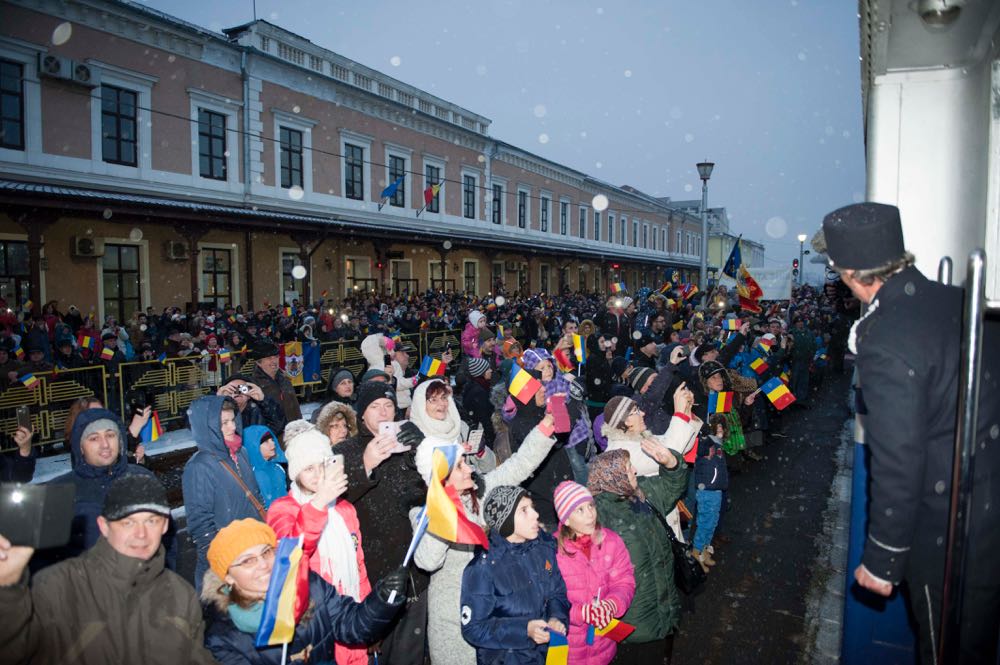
{"type": "Point", "coordinates": [908, 363]}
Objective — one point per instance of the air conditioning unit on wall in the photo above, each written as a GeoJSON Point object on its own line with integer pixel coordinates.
{"type": "Point", "coordinates": [176, 250]}
{"type": "Point", "coordinates": [58, 67]}
{"type": "Point", "coordinates": [88, 247]}
{"type": "Point", "coordinates": [86, 75]}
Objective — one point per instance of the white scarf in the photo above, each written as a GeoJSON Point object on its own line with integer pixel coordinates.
{"type": "Point", "coordinates": [852, 339]}
{"type": "Point", "coordinates": [447, 430]}
{"type": "Point", "coordinates": [337, 557]}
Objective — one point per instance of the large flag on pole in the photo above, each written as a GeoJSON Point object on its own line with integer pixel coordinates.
{"type": "Point", "coordinates": [287, 595]}
{"type": "Point", "coordinates": [748, 289]}
{"type": "Point", "coordinates": [429, 194]}
{"type": "Point", "coordinates": [735, 260]}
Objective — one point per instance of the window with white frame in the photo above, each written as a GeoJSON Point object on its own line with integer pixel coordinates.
{"type": "Point", "coordinates": [214, 131]}
{"type": "Point", "coordinates": [635, 233]}
{"type": "Point", "coordinates": [645, 236]}
{"type": "Point", "coordinates": [664, 234]}
{"type": "Point", "coordinates": [354, 171]}
{"type": "Point", "coordinates": [471, 267]}
{"type": "Point", "coordinates": [496, 204]}
{"type": "Point", "coordinates": [583, 222]}
{"type": "Point", "coordinates": [397, 173]}
{"type": "Point", "coordinates": [623, 235]}
{"type": "Point", "coordinates": [470, 187]}
{"type": "Point", "coordinates": [563, 217]}
{"type": "Point", "coordinates": [293, 153]}
{"type": "Point", "coordinates": [432, 176]}
{"type": "Point", "coordinates": [11, 105]}
{"type": "Point", "coordinates": [212, 145]}
{"type": "Point", "coordinates": [597, 225]}
{"type": "Point", "coordinates": [523, 220]}
{"type": "Point", "coordinates": [291, 145]}
{"type": "Point", "coordinates": [611, 227]}
{"type": "Point", "coordinates": [678, 247]}
{"type": "Point", "coordinates": [543, 213]}
{"type": "Point", "coordinates": [119, 125]}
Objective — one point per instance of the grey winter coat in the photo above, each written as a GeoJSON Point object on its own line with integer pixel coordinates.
{"type": "Point", "coordinates": [446, 561]}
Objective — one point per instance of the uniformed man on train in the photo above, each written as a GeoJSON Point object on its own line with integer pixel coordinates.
{"type": "Point", "coordinates": [908, 356]}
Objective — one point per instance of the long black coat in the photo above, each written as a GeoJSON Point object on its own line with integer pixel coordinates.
{"type": "Point", "coordinates": [908, 361]}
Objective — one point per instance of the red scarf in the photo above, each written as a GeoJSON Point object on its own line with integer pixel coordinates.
{"type": "Point", "coordinates": [234, 444]}
{"type": "Point", "coordinates": [584, 543]}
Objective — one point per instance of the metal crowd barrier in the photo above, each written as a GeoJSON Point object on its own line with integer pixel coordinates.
{"type": "Point", "coordinates": [171, 385]}
{"type": "Point", "coordinates": [49, 401]}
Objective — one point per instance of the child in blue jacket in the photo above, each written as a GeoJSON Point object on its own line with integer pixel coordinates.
{"type": "Point", "coordinates": [712, 480]}
{"type": "Point", "coordinates": [513, 596]}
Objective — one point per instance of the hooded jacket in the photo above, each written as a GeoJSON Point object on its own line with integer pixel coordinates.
{"type": "Point", "coordinates": [92, 482]}
{"type": "Point", "coordinates": [271, 479]}
{"type": "Point", "coordinates": [330, 617]}
{"type": "Point", "coordinates": [212, 497]}
{"type": "Point", "coordinates": [103, 607]}
{"type": "Point", "coordinates": [502, 590]}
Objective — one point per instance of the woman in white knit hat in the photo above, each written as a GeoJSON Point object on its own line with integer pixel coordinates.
{"type": "Point", "coordinates": [328, 524]}
{"type": "Point", "coordinates": [444, 560]}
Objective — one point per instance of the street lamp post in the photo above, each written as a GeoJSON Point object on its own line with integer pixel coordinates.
{"type": "Point", "coordinates": [802, 268]}
{"type": "Point", "coordinates": [704, 172]}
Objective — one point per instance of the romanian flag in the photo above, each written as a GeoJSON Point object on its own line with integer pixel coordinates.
{"type": "Point", "coordinates": [499, 333]}
{"type": "Point", "coordinates": [720, 402]}
{"type": "Point", "coordinates": [287, 595]}
{"type": "Point", "coordinates": [580, 349]}
{"type": "Point", "coordinates": [431, 367]}
{"type": "Point", "coordinates": [762, 346]}
{"type": "Point", "coordinates": [231, 319]}
{"type": "Point", "coordinates": [289, 311]}
{"type": "Point", "coordinates": [618, 287]}
{"type": "Point", "coordinates": [225, 356]}
{"type": "Point", "coordinates": [784, 376]}
{"type": "Point", "coordinates": [429, 195]}
{"type": "Point", "coordinates": [731, 324]}
{"type": "Point", "coordinates": [688, 291]}
{"type": "Point", "coordinates": [445, 514]}
{"type": "Point", "coordinates": [666, 287]}
{"type": "Point", "coordinates": [19, 353]}
{"type": "Point", "coordinates": [558, 652]}
{"type": "Point", "coordinates": [28, 305]}
{"type": "Point", "coordinates": [778, 393]}
{"type": "Point", "coordinates": [107, 353]}
{"type": "Point", "coordinates": [162, 357]}
{"type": "Point", "coordinates": [86, 342]}
{"type": "Point", "coordinates": [152, 430]}
{"type": "Point", "coordinates": [523, 386]}
{"type": "Point", "coordinates": [29, 381]}
{"type": "Point", "coordinates": [758, 365]}
{"type": "Point", "coordinates": [616, 630]}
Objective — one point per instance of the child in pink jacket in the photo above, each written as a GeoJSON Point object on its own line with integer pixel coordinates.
{"type": "Point", "coordinates": [329, 525]}
{"type": "Point", "coordinates": [470, 336]}
{"type": "Point", "coordinates": [598, 572]}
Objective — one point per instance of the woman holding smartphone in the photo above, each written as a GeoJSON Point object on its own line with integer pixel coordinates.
{"type": "Point", "coordinates": [329, 524]}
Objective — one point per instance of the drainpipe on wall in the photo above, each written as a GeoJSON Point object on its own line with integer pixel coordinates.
{"type": "Point", "coordinates": [245, 77]}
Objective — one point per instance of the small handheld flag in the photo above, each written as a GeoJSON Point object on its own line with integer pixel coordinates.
{"type": "Point", "coordinates": [618, 287]}
{"type": "Point", "coordinates": [758, 365]}
{"type": "Point", "coordinates": [107, 354]}
{"type": "Point", "coordinates": [731, 324]}
{"type": "Point", "coordinates": [225, 356]}
{"type": "Point", "coordinates": [86, 342]}
{"type": "Point", "coordinates": [524, 386]}
{"type": "Point", "coordinates": [152, 430]}
{"type": "Point", "coordinates": [28, 305]}
{"type": "Point", "coordinates": [162, 357]}
{"type": "Point", "coordinates": [558, 652]}
{"type": "Point", "coordinates": [445, 513]}
{"type": "Point", "coordinates": [289, 311]}
{"type": "Point", "coordinates": [287, 596]}
{"type": "Point", "coordinates": [666, 287]}
{"type": "Point", "coordinates": [499, 334]}
{"type": "Point", "coordinates": [721, 402]}
{"type": "Point", "coordinates": [778, 393]}
{"type": "Point", "coordinates": [431, 367]}
{"type": "Point", "coordinates": [29, 381]}
{"type": "Point", "coordinates": [580, 349]}
{"type": "Point", "coordinates": [616, 630]}
{"type": "Point", "coordinates": [784, 376]}
{"type": "Point", "coordinates": [19, 353]}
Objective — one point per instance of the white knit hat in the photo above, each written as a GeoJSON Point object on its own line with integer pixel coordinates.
{"type": "Point", "coordinates": [474, 317]}
{"type": "Point", "coordinates": [425, 455]}
{"type": "Point", "coordinates": [307, 447]}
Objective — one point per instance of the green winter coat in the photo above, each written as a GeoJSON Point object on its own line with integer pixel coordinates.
{"type": "Point", "coordinates": [656, 608]}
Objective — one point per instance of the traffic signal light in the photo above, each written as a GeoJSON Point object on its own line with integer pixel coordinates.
{"type": "Point", "coordinates": [795, 267]}
{"type": "Point", "coordinates": [615, 266]}
{"type": "Point", "coordinates": [379, 265]}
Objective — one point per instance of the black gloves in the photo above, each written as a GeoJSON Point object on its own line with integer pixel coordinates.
{"type": "Point", "coordinates": [394, 582]}
{"type": "Point", "coordinates": [409, 435]}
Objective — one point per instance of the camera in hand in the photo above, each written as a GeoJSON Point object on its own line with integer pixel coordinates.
{"type": "Point", "coordinates": [243, 388]}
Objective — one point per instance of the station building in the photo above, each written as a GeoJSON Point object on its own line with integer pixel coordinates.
{"type": "Point", "coordinates": [146, 161]}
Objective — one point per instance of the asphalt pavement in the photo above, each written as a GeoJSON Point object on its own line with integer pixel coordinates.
{"type": "Point", "coordinates": [753, 608]}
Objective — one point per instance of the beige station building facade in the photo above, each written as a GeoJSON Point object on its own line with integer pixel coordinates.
{"type": "Point", "coordinates": [145, 161]}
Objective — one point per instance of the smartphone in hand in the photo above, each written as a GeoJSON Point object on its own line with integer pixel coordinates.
{"type": "Point", "coordinates": [24, 417]}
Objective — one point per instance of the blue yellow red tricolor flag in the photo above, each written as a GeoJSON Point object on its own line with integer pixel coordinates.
{"type": "Point", "coordinates": [616, 630]}
{"type": "Point", "coordinates": [225, 356]}
{"type": "Point", "coordinates": [618, 287]}
{"type": "Point", "coordinates": [721, 402]}
{"type": "Point", "coordinates": [431, 367]}
{"type": "Point", "coordinates": [731, 324]}
{"type": "Point", "coordinates": [558, 652]}
{"type": "Point", "coordinates": [287, 595]}
{"type": "Point", "coordinates": [29, 381]}
{"type": "Point", "coordinates": [19, 353]}
{"type": "Point", "coordinates": [107, 353]}
{"type": "Point", "coordinates": [445, 513]}
{"type": "Point", "coordinates": [523, 386]}
{"type": "Point", "coordinates": [152, 430]}
{"type": "Point", "coordinates": [580, 349]}
{"type": "Point", "coordinates": [758, 365]}
{"type": "Point", "coordinates": [778, 393]}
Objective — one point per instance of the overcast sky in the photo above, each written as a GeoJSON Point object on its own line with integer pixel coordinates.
{"type": "Point", "coordinates": [630, 92]}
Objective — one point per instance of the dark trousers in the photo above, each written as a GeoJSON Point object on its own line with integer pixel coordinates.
{"type": "Point", "coordinates": [799, 384]}
{"type": "Point", "coordinates": [980, 621]}
{"type": "Point", "coordinates": [407, 641]}
{"type": "Point", "coordinates": [658, 652]}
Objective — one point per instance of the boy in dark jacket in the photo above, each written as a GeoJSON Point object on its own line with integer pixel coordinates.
{"type": "Point", "coordinates": [712, 480]}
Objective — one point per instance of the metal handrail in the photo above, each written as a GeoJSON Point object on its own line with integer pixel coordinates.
{"type": "Point", "coordinates": [974, 311]}
{"type": "Point", "coordinates": [945, 270]}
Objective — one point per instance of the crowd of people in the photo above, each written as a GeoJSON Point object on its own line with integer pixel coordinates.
{"type": "Point", "coordinates": [581, 482]}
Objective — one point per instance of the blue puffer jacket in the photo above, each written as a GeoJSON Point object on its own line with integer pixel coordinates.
{"type": "Point", "coordinates": [271, 478]}
{"type": "Point", "coordinates": [330, 618]}
{"type": "Point", "coordinates": [710, 472]}
{"type": "Point", "coordinates": [92, 482]}
{"type": "Point", "coordinates": [212, 497]}
{"type": "Point", "coordinates": [505, 588]}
